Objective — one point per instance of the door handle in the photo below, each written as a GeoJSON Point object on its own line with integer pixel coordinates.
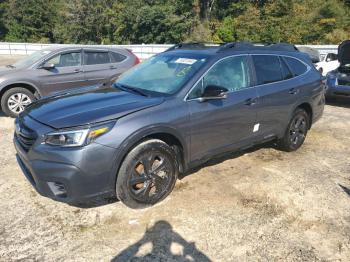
{"type": "Point", "coordinates": [293, 91]}
{"type": "Point", "coordinates": [77, 70]}
{"type": "Point", "coordinates": [112, 67]}
{"type": "Point", "coordinates": [250, 101]}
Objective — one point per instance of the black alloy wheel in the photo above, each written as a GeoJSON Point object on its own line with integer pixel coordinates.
{"type": "Point", "coordinates": [296, 131]}
{"type": "Point", "coordinates": [151, 177]}
{"type": "Point", "coordinates": [147, 175]}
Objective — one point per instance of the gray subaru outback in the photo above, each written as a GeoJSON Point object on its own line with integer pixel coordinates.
{"type": "Point", "coordinates": [165, 116]}
{"type": "Point", "coordinates": [59, 69]}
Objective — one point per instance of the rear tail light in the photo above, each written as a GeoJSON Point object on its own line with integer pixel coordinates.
{"type": "Point", "coordinates": [137, 60]}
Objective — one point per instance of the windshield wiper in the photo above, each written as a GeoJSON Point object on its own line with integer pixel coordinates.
{"type": "Point", "coordinates": [10, 66]}
{"type": "Point", "coordinates": [130, 88]}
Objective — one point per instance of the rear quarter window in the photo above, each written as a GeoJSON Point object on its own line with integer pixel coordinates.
{"type": "Point", "coordinates": [298, 68]}
{"type": "Point", "coordinates": [117, 58]}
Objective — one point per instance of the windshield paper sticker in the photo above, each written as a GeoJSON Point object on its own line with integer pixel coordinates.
{"type": "Point", "coordinates": [186, 61]}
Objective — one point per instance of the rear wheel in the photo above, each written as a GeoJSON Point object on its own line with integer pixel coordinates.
{"type": "Point", "coordinates": [147, 175]}
{"type": "Point", "coordinates": [15, 100]}
{"type": "Point", "coordinates": [296, 131]}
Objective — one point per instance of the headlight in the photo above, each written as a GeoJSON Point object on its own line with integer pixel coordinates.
{"type": "Point", "coordinates": [81, 137]}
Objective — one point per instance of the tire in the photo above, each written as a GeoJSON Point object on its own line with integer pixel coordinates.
{"type": "Point", "coordinates": [23, 97]}
{"type": "Point", "coordinates": [296, 131]}
{"type": "Point", "coordinates": [138, 188]}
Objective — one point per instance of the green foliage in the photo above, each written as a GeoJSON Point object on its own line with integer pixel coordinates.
{"type": "Point", "coordinates": [156, 22]}
{"type": "Point", "coordinates": [171, 21]}
{"type": "Point", "coordinates": [2, 25]}
{"type": "Point", "coordinates": [30, 20]}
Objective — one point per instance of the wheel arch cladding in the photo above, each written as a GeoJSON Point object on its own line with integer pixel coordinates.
{"type": "Point", "coordinates": [27, 86]}
{"type": "Point", "coordinates": [308, 109]}
{"type": "Point", "coordinates": [168, 137]}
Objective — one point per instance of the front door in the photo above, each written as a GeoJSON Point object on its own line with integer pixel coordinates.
{"type": "Point", "coordinates": [67, 73]}
{"type": "Point", "coordinates": [218, 125]}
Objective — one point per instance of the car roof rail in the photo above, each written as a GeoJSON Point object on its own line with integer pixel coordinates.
{"type": "Point", "coordinates": [194, 45]}
{"type": "Point", "coordinates": [246, 46]}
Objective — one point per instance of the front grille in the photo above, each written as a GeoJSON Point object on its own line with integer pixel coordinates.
{"type": "Point", "coordinates": [343, 82]}
{"type": "Point", "coordinates": [25, 136]}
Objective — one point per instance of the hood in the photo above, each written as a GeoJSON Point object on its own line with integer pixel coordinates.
{"type": "Point", "coordinates": [6, 70]}
{"type": "Point", "coordinates": [344, 52]}
{"type": "Point", "coordinates": [88, 108]}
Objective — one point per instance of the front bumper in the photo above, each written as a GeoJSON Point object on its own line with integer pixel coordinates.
{"type": "Point", "coordinates": [335, 90]}
{"type": "Point", "coordinates": [82, 176]}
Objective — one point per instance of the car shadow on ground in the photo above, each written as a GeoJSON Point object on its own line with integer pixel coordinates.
{"type": "Point", "coordinates": [346, 190]}
{"type": "Point", "coordinates": [340, 102]}
{"type": "Point", "coordinates": [166, 244]}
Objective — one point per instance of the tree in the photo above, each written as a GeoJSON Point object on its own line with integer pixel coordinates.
{"type": "Point", "coordinates": [2, 25]}
{"type": "Point", "coordinates": [153, 22]}
{"type": "Point", "coordinates": [171, 21]}
{"type": "Point", "coordinates": [85, 21]}
{"type": "Point", "coordinates": [30, 20]}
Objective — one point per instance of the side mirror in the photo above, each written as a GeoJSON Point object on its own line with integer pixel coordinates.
{"type": "Point", "coordinates": [48, 66]}
{"type": "Point", "coordinates": [328, 59]}
{"type": "Point", "coordinates": [213, 92]}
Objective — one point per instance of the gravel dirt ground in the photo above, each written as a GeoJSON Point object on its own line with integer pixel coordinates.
{"type": "Point", "coordinates": [261, 205]}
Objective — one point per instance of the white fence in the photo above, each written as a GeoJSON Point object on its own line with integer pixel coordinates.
{"type": "Point", "coordinates": [142, 51]}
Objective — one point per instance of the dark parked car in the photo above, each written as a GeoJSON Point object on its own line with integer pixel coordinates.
{"type": "Point", "coordinates": [58, 69]}
{"type": "Point", "coordinates": [338, 80]}
{"type": "Point", "coordinates": [165, 116]}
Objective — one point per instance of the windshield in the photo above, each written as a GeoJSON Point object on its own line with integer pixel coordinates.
{"type": "Point", "coordinates": [28, 61]}
{"type": "Point", "coordinates": [165, 73]}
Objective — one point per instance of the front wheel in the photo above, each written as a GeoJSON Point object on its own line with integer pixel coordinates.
{"type": "Point", "coordinates": [15, 100]}
{"type": "Point", "coordinates": [296, 131]}
{"type": "Point", "coordinates": [147, 175]}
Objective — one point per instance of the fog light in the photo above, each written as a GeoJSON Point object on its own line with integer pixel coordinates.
{"type": "Point", "coordinates": [57, 189]}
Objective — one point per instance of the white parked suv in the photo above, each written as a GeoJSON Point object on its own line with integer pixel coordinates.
{"type": "Point", "coordinates": [328, 63]}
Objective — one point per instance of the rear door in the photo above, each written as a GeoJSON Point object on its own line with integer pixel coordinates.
{"type": "Point", "coordinates": [67, 73]}
{"type": "Point", "coordinates": [278, 90]}
{"type": "Point", "coordinates": [98, 66]}
{"type": "Point", "coordinates": [120, 63]}
{"type": "Point", "coordinates": [218, 125]}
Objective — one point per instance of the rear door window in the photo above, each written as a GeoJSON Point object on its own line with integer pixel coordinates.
{"type": "Point", "coordinates": [96, 58]}
{"type": "Point", "coordinates": [267, 68]}
{"type": "Point", "coordinates": [298, 68]}
{"type": "Point", "coordinates": [116, 57]}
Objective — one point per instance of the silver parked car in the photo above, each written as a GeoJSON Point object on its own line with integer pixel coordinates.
{"type": "Point", "coordinates": [56, 70]}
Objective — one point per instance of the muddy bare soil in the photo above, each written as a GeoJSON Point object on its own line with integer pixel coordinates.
{"type": "Point", "coordinates": [262, 205]}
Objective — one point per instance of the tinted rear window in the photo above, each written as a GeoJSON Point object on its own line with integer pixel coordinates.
{"type": "Point", "coordinates": [95, 58]}
{"type": "Point", "coordinates": [297, 67]}
{"type": "Point", "coordinates": [268, 69]}
{"type": "Point", "coordinates": [117, 58]}
{"type": "Point", "coordinates": [286, 73]}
